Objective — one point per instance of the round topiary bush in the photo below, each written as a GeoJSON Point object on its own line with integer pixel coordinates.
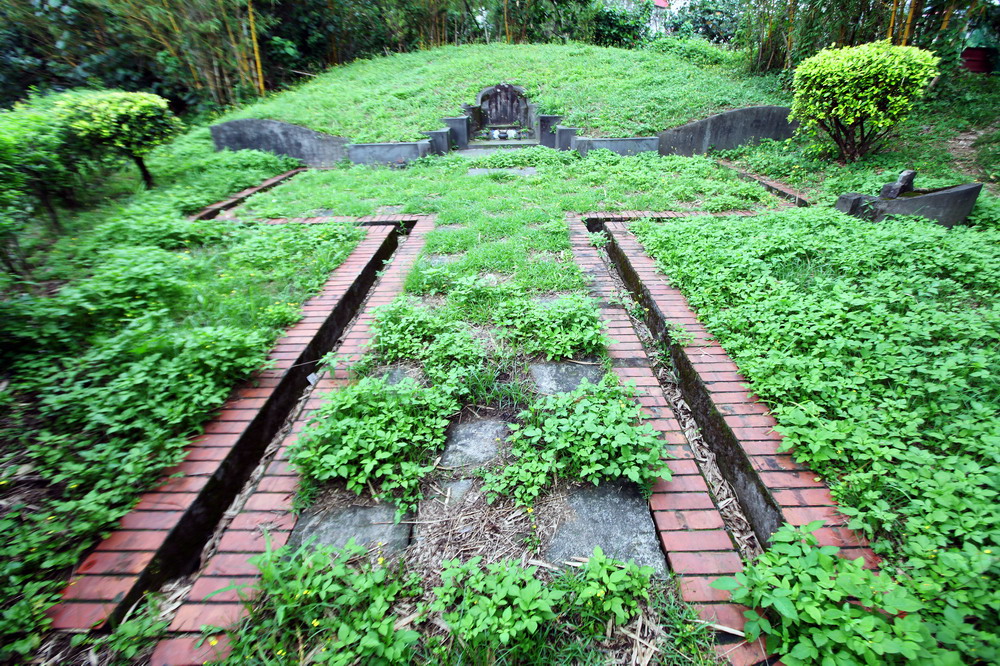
{"type": "Point", "coordinates": [127, 123]}
{"type": "Point", "coordinates": [857, 95]}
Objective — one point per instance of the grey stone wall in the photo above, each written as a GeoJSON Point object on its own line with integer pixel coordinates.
{"type": "Point", "coordinates": [313, 148]}
{"type": "Point", "coordinates": [728, 130]}
{"type": "Point", "coordinates": [544, 132]}
{"type": "Point", "coordinates": [564, 137]}
{"type": "Point", "coordinates": [633, 146]}
{"type": "Point", "coordinates": [388, 153]}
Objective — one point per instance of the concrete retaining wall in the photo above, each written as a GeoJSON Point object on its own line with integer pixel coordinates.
{"type": "Point", "coordinates": [461, 129]}
{"type": "Point", "coordinates": [564, 137]}
{"type": "Point", "coordinates": [545, 130]}
{"type": "Point", "coordinates": [633, 146]}
{"type": "Point", "coordinates": [440, 141]}
{"type": "Point", "coordinates": [388, 153]}
{"type": "Point", "coordinates": [728, 130]}
{"type": "Point", "coordinates": [313, 148]}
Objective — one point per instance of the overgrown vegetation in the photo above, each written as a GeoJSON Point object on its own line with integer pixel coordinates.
{"type": "Point", "coordinates": [625, 93]}
{"type": "Point", "coordinates": [146, 322]}
{"type": "Point", "coordinates": [830, 607]}
{"type": "Point", "coordinates": [876, 347]}
{"type": "Point", "coordinates": [375, 436]}
{"type": "Point", "coordinates": [924, 142]}
{"type": "Point", "coordinates": [591, 434]}
{"type": "Point", "coordinates": [338, 607]}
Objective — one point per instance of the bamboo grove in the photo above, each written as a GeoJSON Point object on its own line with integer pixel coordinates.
{"type": "Point", "coordinates": [781, 33]}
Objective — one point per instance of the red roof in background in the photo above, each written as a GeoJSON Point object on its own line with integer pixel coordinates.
{"type": "Point", "coordinates": [665, 4]}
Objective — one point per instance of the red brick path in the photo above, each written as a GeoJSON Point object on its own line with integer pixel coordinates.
{"type": "Point", "coordinates": [269, 505]}
{"type": "Point", "coordinates": [116, 573]}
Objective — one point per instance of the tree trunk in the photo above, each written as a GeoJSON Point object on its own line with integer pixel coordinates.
{"type": "Point", "coordinates": [46, 198]}
{"type": "Point", "coordinates": [147, 177]}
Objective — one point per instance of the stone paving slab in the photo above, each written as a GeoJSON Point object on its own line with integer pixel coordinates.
{"type": "Point", "coordinates": [473, 443]}
{"type": "Point", "coordinates": [613, 516]}
{"type": "Point", "coordinates": [551, 378]}
{"type": "Point", "coordinates": [526, 171]}
{"type": "Point", "coordinates": [368, 525]}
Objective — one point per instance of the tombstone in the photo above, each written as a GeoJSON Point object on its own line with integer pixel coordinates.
{"type": "Point", "coordinates": [947, 206]}
{"type": "Point", "coordinates": [503, 104]}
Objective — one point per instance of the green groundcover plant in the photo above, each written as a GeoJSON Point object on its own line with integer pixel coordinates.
{"type": "Point", "coordinates": [149, 322]}
{"type": "Point", "coordinates": [374, 435]}
{"type": "Point", "coordinates": [877, 348]}
{"type": "Point", "coordinates": [338, 606]}
{"type": "Point", "coordinates": [591, 434]}
{"type": "Point", "coordinates": [822, 608]}
{"type": "Point", "coordinates": [624, 92]}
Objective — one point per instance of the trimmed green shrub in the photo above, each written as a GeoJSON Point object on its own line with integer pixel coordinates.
{"type": "Point", "coordinates": [857, 95]}
{"type": "Point", "coordinates": [34, 164]}
{"type": "Point", "coordinates": [130, 124]}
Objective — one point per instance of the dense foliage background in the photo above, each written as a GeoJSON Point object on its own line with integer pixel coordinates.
{"type": "Point", "coordinates": [208, 53]}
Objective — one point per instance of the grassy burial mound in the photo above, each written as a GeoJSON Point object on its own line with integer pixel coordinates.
{"type": "Point", "coordinates": [607, 92]}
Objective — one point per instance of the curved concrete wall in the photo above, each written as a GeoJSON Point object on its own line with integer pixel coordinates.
{"type": "Point", "coordinates": [728, 130]}
{"type": "Point", "coordinates": [313, 148]}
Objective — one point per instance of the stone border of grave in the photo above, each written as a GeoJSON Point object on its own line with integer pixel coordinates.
{"type": "Point", "coordinates": [270, 500]}
{"type": "Point", "coordinates": [722, 131]}
{"type": "Point", "coordinates": [162, 536]}
{"type": "Point", "coordinates": [213, 211]}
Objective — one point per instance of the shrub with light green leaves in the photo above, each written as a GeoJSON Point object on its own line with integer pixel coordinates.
{"type": "Point", "coordinates": [857, 95]}
{"type": "Point", "coordinates": [130, 124]}
{"type": "Point", "coordinates": [34, 161]}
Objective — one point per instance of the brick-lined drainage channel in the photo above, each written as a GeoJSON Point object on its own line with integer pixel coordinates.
{"type": "Point", "coordinates": [770, 487]}
{"type": "Point", "coordinates": [267, 502]}
{"type": "Point", "coordinates": [163, 537]}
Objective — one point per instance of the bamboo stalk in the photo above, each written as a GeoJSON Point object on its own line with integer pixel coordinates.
{"type": "Point", "coordinates": [791, 34]}
{"type": "Point", "coordinates": [914, 8]}
{"type": "Point", "coordinates": [947, 17]}
{"type": "Point", "coordinates": [256, 49]}
{"type": "Point", "coordinates": [892, 20]}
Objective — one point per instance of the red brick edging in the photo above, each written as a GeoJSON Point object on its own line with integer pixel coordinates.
{"type": "Point", "coordinates": [213, 211]}
{"type": "Point", "coordinates": [269, 506]}
{"type": "Point", "coordinates": [161, 536]}
{"type": "Point", "coordinates": [692, 534]}
{"type": "Point", "coordinates": [732, 419]}
{"type": "Point", "coordinates": [774, 186]}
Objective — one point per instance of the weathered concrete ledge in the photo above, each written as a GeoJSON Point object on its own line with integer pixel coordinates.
{"type": "Point", "coordinates": [631, 146]}
{"type": "Point", "coordinates": [440, 141]}
{"type": "Point", "coordinates": [546, 129]}
{"type": "Point", "coordinates": [947, 206]}
{"type": "Point", "coordinates": [564, 137]}
{"type": "Point", "coordinates": [315, 149]}
{"type": "Point", "coordinates": [460, 130]}
{"type": "Point", "coordinates": [388, 153]}
{"type": "Point", "coordinates": [728, 130]}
